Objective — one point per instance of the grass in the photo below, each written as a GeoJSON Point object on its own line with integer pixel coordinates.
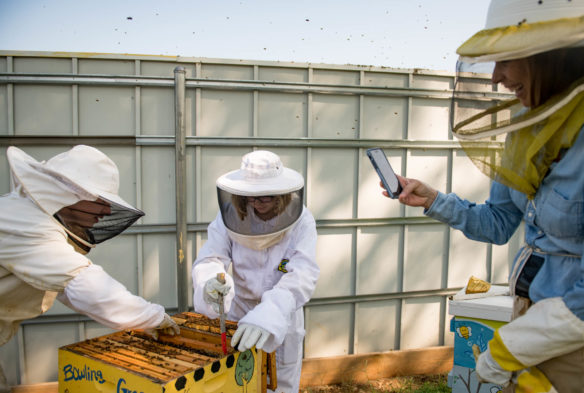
{"type": "Point", "coordinates": [413, 384]}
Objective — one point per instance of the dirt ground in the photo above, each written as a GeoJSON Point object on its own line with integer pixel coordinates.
{"type": "Point", "coordinates": [385, 385]}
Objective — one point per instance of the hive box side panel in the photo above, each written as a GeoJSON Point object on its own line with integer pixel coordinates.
{"type": "Point", "coordinates": [78, 373]}
{"type": "Point", "coordinates": [237, 372]}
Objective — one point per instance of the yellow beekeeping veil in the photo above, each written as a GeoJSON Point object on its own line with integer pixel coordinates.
{"type": "Point", "coordinates": [513, 144]}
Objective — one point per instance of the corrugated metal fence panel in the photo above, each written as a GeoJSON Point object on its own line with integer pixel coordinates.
{"type": "Point", "coordinates": [386, 270]}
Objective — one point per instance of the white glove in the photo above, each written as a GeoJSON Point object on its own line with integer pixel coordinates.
{"type": "Point", "coordinates": [488, 370]}
{"type": "Point", "coordinates": [167, 326]}
{"type": "Point", "coordinates": [250, 335]}
{"type": "Point", "coordinates": [213, 288]}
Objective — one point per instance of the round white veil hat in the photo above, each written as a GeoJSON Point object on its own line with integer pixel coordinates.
{"type": "Point", "coordinates": [81, 173]}
{"type": "Point", "coordinates": [522, 28]}
{"type": "Point", "coordinates": [261, 173]}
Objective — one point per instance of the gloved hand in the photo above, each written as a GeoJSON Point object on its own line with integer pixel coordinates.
{"type": "Point", "coordinates": [250, 335]}
{"type": "Point", "coordinates": [213, 288]}
{"type": "Point", "coordinates": [488, 370]}
{"type": "Point", "coordinates": [167, 326]}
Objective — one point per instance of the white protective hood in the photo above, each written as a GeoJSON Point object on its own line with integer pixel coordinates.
{"type": "Point", "coordinates": [82, 173]}
{"type": "Point", "coordinates": [261, 174]}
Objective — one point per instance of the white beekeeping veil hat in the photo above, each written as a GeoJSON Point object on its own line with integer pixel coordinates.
{"type": "Point", "coordinates": [82, 173]}
{"type": "Point", "coordinates": [512, 125]}
{"type": "Point", "coordinates": [262, 182]}
{"type": "Point", "coordinates": [521, 28]}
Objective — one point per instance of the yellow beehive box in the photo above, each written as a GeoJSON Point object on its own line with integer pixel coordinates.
{"type": "Point", "coordinates": [131, 362]}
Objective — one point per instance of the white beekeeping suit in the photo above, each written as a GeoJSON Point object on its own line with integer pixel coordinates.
{"type": "Point", "coordinates": [264, 232]}
{"type": "Point", "coordinates": [57, 211]}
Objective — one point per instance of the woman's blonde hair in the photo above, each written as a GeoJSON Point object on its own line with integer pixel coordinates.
{"type": "Point", "coordinates": [280, 204]}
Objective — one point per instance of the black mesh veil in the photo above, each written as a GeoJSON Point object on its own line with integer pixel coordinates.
{"type": "Point", "coordinates": [106, 226]}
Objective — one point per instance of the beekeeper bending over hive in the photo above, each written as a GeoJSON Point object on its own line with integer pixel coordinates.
{"type": "Point", "coordinates": [57, 211]}
{"type": "Point", "coordinates": [264, 231]}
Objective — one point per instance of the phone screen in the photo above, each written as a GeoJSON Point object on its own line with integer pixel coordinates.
{"type": "Point", "coordinates": [385, 172]}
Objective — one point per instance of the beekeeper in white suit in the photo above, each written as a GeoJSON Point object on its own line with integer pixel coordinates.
{"type": "Point", "coordinates": [268, 237]}
{"type": "Point", "coordinates": [57, 211]}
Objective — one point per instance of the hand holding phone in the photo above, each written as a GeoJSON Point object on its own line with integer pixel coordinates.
{"type": "Point", "coordinates": [385, 172]}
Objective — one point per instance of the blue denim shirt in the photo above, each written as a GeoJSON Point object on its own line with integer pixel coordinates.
{"type": "Point", "coordinates": [554, 224]}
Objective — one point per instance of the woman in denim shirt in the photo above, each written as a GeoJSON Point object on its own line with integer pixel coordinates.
{"type": "Point", "coordinates": [538, 52]}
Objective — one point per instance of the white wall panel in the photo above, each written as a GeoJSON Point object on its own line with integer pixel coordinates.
{"type": "Point", "coordinates": [159, 275]}
{"type": "Point", "coordinates": [226, 71]}
{"type": "Point", "coordinates": [333, 256]}
{"type": "Point", "coordinates": [283, 74]}
{"type": "Point", "coordinates": [384, 117]}
{"type": "Point", "coordinates": [226, 114]}
{"type": "Point", "coordinates": [158, 187]}
{"type": "Point", "coordinates": [424, 257]}
{"type": "Point", "coordinates": [379, 252]}
{"type": "Point", "coordinates": [157, 111]}
{"type": "Point", "coordinates": [106, 67]}
{"type": "Point", "coordinates": [328, 331]}
{"type": "Point", "coordinates": [3, 109]}
{"type": "Point", "coordinates": [335, 77]}
{"type": "Point", "coordinates": [385, 79]}
{"type": "Point", "coordinates": [434, 82]}
{"type": "Point", "coordinates": [332, 183]}
{"type": "Point", "coordinates": [376, 324]}
{"type": "Point", "coordinates": [282, 115]}
{"type": "Point", "coordinates": [107, 110]}
{"type": "Point", "coordinates": [40, 354]}
{"type": "Point", "coordinates": [191, 186]}
{"type": "Point", "coordinates": [420, 327]}
{"type": "Point", "coordinates": [94, 329]}
{"type": "Point", "coordinates": [47, 65]}
{"type": "Point", "coordinates": [157, 68]}
{"type": "Point", "coordinates": [335, 116]}
{"type": "Point", "coordinates": [429, 119]}
{"type": "Point", "coordinates": [43, 110]}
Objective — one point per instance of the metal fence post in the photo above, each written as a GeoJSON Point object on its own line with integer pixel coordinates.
{"type": "Point", "coordinates": [181, 194]}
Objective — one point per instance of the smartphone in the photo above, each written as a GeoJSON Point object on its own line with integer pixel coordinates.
{"type": "Point", "coordinates": [386, 174]}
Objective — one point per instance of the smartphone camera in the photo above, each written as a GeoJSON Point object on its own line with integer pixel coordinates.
{"type": "Point", "coordinates": [386, 174]}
